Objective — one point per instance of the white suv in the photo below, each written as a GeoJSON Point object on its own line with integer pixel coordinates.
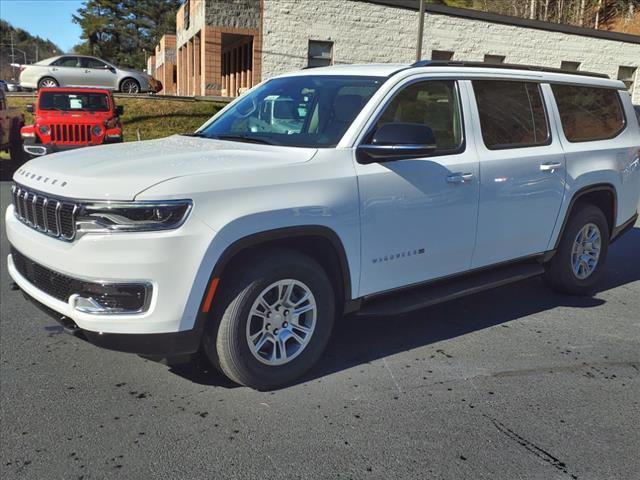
{"type": "Point", "coordinates": [393, 187]}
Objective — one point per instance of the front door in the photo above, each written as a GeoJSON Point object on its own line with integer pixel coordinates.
{"type": "Point", "coordinates": [97, 73]}
{"type": "Point", "coordinates": [522, 170]}
{"type": "Point", "coordinates": [419, 216]}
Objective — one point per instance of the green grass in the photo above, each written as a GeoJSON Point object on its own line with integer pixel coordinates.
{"type": "Point", "coordinates": [151, 118]}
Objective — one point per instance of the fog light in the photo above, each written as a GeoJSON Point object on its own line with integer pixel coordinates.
{"type": "Point", "coordinates": [100, 299]}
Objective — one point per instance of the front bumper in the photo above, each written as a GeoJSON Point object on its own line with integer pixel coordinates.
{"type": "Point", "coordinates": [162, 345]}
{"type": "Point", "coordinates": [168, 261]}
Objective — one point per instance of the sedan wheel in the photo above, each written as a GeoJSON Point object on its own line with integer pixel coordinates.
{"type": "Point", "coordinates": [47, 83]}
{"type": "Point", "coordinates": [130, 86]}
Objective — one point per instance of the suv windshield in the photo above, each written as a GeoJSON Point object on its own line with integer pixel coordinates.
{"type": "Point", "coordinates": [74, 101]}
{"type": "Point", "coordinates": [301, 111]}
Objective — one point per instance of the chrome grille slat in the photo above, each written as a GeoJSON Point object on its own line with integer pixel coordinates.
{"type": "Point", "coordinates": [45, 214]}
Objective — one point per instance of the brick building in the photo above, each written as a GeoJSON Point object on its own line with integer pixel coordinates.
{"type": "Point", "coordinates": [226, 46]}
{"type": "Point", "coordinates": [166, 69]}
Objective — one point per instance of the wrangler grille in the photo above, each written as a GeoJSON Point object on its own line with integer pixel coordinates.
{"type": "Point", "coordinates": [70, 133]}
{"type": "Point", "coordinates": [43, 213]}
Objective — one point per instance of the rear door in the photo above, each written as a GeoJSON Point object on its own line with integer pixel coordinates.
{"type": "Point", "coordinates": [66, 70]}
{"type": "Point", "coordinates": [522, 169]}
{"type": "Point", "coordinates": [418, 216]}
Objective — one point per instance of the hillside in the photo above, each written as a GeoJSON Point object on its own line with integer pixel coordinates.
{"type": "Point", "coordinates": [614, 15]}
{"type": "Point", "coordinates": [27, 48]}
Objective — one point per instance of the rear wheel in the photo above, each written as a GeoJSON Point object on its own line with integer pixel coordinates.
{"type": "Point", "coordinates": [578, 263]}
{"type": "Point", "coordinates": [272, 321]}
{"type": "Point", "coordinates": [47, 82]}
{"type": "Point", "coordinates": [129, 85]}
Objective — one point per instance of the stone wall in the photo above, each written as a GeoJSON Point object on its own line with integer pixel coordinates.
{"type": "Point", "coordinates": [367, 32]}
{"type": "Point", "coordinates": [233, 13]}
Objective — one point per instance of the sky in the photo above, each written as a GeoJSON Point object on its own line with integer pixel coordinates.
{"type": "Point", "coordinates": [49, 19]}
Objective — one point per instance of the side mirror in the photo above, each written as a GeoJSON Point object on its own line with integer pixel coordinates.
{"type": "Point", "coordinates": [119, 110]}
{"type": "Point", "coordinates": [30, 108]}
{"type": "Point", "coordinates": [111, 69]}
{"type": "Point", "coordinates": [397, 141]}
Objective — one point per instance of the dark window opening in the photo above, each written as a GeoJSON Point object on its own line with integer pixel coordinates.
{"type": "Point", "coordinates": [441, 55]}
{"type": "Point", "coordinates": [320, 54]}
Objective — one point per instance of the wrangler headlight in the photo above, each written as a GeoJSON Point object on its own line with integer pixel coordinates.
{"type": "Point", "coordinates": [106, 217]}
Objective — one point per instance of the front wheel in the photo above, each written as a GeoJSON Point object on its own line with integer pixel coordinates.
{"type": "Point", "coordinates": [272, 321]}
{"type": "Point", "coordinates": [578, 263]}
{"type": "Point", "coordinates": [129, 85]}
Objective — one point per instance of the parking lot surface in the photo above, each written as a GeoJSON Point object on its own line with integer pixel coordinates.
{"type": "Point", "coordinates": [514, 383]}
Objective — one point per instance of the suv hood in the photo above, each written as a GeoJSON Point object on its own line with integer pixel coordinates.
{"type": "Point", "coordinates": [121, 171]}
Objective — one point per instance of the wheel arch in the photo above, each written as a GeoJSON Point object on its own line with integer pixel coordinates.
{"type": "Point", "coordinates": [317, 241]}
{"type": "Point", "coordinates": [603, 195]}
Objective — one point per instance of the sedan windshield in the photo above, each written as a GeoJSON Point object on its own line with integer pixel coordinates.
{"type": "Point", "coordinates": [300, 111]}
{"type": "Point", "coordinates": [68, 102]}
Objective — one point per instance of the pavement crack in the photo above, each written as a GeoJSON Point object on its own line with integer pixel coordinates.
{"type": "Point", "coordinates": [531, 447]}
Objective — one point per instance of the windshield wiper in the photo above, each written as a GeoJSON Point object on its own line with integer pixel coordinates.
{"type": "Point", "coordinates": [243, 138]}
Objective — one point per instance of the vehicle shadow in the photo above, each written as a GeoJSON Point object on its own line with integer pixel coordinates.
{"type": "Point", "coordinates": [359, 340]}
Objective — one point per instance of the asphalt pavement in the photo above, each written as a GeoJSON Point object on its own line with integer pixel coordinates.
{"type": "Point", "coordinates": [514, 383]}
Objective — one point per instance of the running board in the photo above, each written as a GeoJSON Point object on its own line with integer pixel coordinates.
{"type": "Point", "coordinates": [442, 291]}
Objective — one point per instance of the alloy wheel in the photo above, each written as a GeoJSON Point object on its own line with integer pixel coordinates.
{"type": "Point", "coordinates": [281, 322]}
{"type": "Point", "coordinates": [586, 251]}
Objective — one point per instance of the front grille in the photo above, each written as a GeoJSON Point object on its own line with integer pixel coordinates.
{"type": "Point", "coordinates": [119, 297]}
{"type": "Point", "coordinates": [64, 133]}
{"type": "Point", "coordinates": [53, 216]}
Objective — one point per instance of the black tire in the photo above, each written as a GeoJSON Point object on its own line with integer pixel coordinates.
{"type": "Point", "coordinates": [559, 274]}
{"type": "Point", "coordinates": [47, 79]}
{"type": "Point", "coordinates": [129, 85]}
{"type": "Point", "coordinates": [225, 339]}
{"type": "Point", "coordinates": [15, 143]}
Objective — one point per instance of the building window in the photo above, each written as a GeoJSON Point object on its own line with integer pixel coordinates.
{"type": "Point", "coordinates": [320, 54]}
{"type": "Point", "coordinates": [627, 75]}
{"type": "Point", "coordinates": [569, 66]}
{"type": "Point", "coordinates": [494, 59]}
{"type": "Point", "coordinates": [187, 12]}
{"type": "Point", "coordinates": [441, 55]}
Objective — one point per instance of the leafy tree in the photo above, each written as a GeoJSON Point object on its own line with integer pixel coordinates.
{"type": "Point", "coordinates": [120, 30]}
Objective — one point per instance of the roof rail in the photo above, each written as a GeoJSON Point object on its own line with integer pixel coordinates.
{"type": "Point", "coordinates": [507, 66]}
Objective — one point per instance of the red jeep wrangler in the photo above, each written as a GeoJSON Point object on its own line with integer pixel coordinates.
{"type": "Point", "coordinates": [67, 118]}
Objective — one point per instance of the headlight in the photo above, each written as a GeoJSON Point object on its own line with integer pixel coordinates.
{"type": "Point", "coordinates": [44, 129]}
{"type": "Point", "coordinates": [96, 130]}
{"type": "Point", "coordinates": [106, 217]}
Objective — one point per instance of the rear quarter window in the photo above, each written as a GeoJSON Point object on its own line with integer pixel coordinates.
{"type": "Point", "coordinates": [589, 113]}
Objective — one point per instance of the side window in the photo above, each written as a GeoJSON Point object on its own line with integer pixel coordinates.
{"type": "Point", "coordinates": [433, 103]}
{"type": "Point", "coordinates": [92, 63]}
{"type": "Point", "coordinates": [512, 114]}
{"type": "Point", "coordinates": [589, 113]}
{"type": "Point", "coordinates": [66, 62]}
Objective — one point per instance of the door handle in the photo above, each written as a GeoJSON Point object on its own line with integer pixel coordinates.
{"type": "Point", "coordinates": [87, 71]}
{"type": "Point", "coordinates": [550, 166]}
{"type": "Point", "coordinates": [460, 178]}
